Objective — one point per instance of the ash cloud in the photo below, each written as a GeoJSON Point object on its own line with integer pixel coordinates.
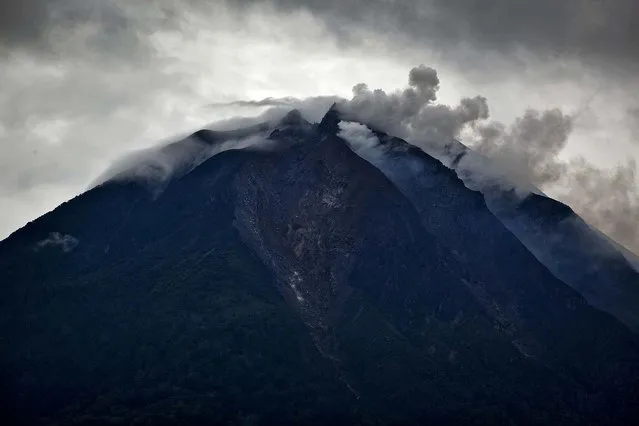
{"type": "Point", "coordinates": [23, 22]}
{"type": "Point", "coordinates": [413, 113]}
{"type": "Point", "coordinates": [524, 155]}
{"type": "Point", "coordinates": [526, 152]}
{"type": "Point", "coordinates": [361, 139]}
{"type": "Point", "coordinates": [609, 199]}
{"type": "Point", "coordinates": [528, 148]}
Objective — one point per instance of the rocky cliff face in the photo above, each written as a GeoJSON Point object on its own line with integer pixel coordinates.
{"type": "Point", "coordinates": [304, 283]}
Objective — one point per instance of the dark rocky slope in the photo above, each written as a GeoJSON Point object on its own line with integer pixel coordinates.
{"type": "Point", "coordinates": [574, 252]}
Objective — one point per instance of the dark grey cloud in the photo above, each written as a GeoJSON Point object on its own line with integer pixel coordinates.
{"type": "Point", "coordinates": [591, 30]}
{"type": "Point", "coordinates": [595, 31]}
{"type": "Point", "coordinates": [23, 22]}
{"type": "Point", "coordinates": [83, 29]}
{"type": "Point", "coordinates": [31, 23]}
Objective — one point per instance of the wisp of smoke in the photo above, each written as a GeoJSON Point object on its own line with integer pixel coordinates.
{"type": "Point", "coordinates": [154, 167]}
{"type": "Point", "coordinates": [266, 102]}
{"type": "Point", "coordinates": [55, 239]}
{"type": "Point", "coordinates": [312, 109]}
{"type": "Point", "coordinates": [361, 139]}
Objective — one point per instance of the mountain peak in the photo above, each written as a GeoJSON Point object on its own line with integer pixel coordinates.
{"type": "Point", "coordinates": [321, 279]}
{"type": "Point", "coordinates": [293, 118]}
{"type": "Point", "coordinates": [330, 122]}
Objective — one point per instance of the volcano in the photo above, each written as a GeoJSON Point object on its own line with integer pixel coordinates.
{"type": "Point", "coordinates": [303, 278]}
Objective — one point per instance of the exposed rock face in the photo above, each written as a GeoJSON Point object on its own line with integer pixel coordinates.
{"type": "Point", "coordinates": [309, 211]}
{"type": "Point", "coordinates": [301, 283]}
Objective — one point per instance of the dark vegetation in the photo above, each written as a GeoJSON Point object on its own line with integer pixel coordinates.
{"type": "Point", "coordinates": [154, 319]}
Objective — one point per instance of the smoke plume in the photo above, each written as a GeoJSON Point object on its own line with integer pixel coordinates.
{"type": "Point", "coordinates": [527, 151]}
{"type": "Point", "coordinates": [56, 239]}
{"type": "Point", "coordinates": [413, 113]}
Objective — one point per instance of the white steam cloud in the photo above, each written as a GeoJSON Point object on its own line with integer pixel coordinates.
{"type": "Point", "coordinates": [360, 138]}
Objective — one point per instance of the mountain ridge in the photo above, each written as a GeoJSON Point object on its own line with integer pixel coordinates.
{"type": "Point", "coordinates": [557, 236]}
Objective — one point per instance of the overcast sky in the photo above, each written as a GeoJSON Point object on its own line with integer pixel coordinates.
{"type": "Point", "coordinates": [84, 81]}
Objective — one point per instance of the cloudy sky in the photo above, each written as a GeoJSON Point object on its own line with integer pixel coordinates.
{"type": "Point", "coordinates": [84, 81]}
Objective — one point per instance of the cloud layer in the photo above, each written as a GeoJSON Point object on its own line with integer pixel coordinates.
{"type": "Point", "coordinates": [599, 32]}
{"type": "Point", "coordinates": [592, 30]}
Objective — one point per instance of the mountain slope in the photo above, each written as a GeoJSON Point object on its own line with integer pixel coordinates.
{"type": "Point", "coordinates": [298, 284]}
{"type": "Point", "coordinates": [171, 318]}
{"type": "Point", "coordinates": [573, 251]}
